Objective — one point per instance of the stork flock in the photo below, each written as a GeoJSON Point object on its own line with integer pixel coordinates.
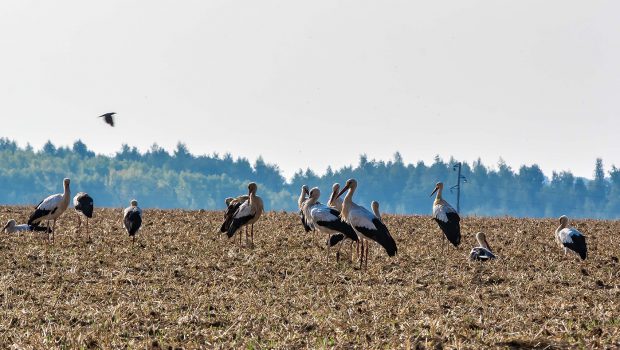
{"type": "Point", "coordinates": [340, 220]}
{"type": "Point", "coordinates": [52, 207]}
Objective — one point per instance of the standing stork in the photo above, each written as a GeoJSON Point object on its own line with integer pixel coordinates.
{"type": "Point", "coordinates": [83, 205]}
{"type": "Point", "coordinates": [247, 213]}
{"type": "Point", "coordinates": [366, 224]}
{"type": "Point", "coordinates": [447, 218]}
{"type": "Point", "coordinates": [333, 201]}
{"type": "Point", "coordinates": [12, 227]}
{"type": "Point", "coordinates": [51, 208]}
{"type": "Point", "coordinates": [327, 220]}
{"type": "Point", "coordinates": [300, 203]}
{"type": "Point", "coordinates": [132, 219]}
{"type": "Point", "coordinates": [483, 251]}
{"type": "Point", "coordinates": [571, 239]}
{"type": "Point", "coordinates": [232, 205]}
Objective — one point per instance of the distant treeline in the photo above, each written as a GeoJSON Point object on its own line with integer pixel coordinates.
{"type": "Point", "coordinates": [183, 180]}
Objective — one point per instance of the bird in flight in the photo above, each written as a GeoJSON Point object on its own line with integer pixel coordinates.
{"type": "Point", "coordinates": [108, 118]}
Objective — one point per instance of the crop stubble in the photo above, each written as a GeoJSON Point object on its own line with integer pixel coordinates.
{"type": "Point", "coordinates": [183, 286]}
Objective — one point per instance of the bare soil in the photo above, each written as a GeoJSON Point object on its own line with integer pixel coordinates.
{"type": "Point", "coordinates": [183, 286]}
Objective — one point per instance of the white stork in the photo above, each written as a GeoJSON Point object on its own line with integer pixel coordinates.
{"type": "Point", "coordinates": [326, 220]}
{"type": "Point", "coordinates": [571, 239]}
{"type": "Point", "coordinates": [83, 205]}
{"type": "Point", "coordinates": [366, 224]}
{"type": "Point", "coordinates": [333, 201]}
{"type": "Point", "coordinates": [132, 219]}
{"type": "Point", "coordinates": [12, 227]}
{"type": "Point", "coordinates": [232, 205]}
{"type": "Point", "coordinates": [300, 204]}
{"type": "Point", "coordinates": [447, 218]}
{"type": "Point", "coordinates": [51, 208]}
{"type": "Point", "coordinates": [247, 213]}
{"type": "Point", "coordinates": [483, 251]}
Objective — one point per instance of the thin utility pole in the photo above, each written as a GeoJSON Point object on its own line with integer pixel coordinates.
{"type": "Point", "coordinates": [460, 177]}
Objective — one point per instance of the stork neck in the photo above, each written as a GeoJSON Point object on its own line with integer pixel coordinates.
{"type": "Point", "coordinates": [302, 198]}
{"type": "Point", "coordinates": [66, 192]}
{"type": "Point", "coordinates": [562, 226]}
{"type": "Point", "coordinates": [251, 197]}
{"type": "Point", "coordinates": [331, 197]}
{"type": "Point", "coordinates": [483, 243]}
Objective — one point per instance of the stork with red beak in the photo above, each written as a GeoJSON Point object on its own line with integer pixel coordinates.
{"type": "Point", "coordinates": [366, 224]}
{"type": "Point", "coordinates": [447, 218]}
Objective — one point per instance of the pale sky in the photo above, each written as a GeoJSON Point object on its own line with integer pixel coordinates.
{"type": "Point", "coordinates": [317, 83]}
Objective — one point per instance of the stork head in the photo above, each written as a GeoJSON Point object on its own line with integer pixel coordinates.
{"type": "Point", "coordinates": [375, 206]}
{"type": "Point", "coordinates": [134, 203]}
{"type": "Point", "coordinates": [252, 187]}
{"type": "Point", "coordinates": [563, 220]}
{"type": "Point", "coordinates": [315, 193]}
{"type": "Point", "coordinates": [304, 189]}
{"type": "Point", "coordinates": [335, 187]}
{"type": "Point", "coordinates": [351, 183]}
{"type": "Point", "coordinates": [438, 186]}
{"type": "Point", "coordinates": [10, 223]}
{"type": "Point", "coordinates": [66, 182]}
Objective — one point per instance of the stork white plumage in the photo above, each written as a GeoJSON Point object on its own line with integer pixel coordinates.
{"type": "Point", "coordinates": [366, 224]}
{"type": "Point", "coordinates": [334, 201]}
{"type": "Point", "coordinates": [12, 227]}
{"type": "Point", "coordinates": [51, 208]}
{"type": "Point", "coordinates": [571, 239]}
{"type": "Point", "coordinates": [326, 220]}
{"type": "Point", "coordinates": [483, 251]}
{"type": "Point", "coordinates": [132, 219]}
{"type": "Point", "coordinates": [247, 213]}
{"type": "Point", "coordinates": [83, 205]}
{"type": "Point", "coordinates": [446, 217]}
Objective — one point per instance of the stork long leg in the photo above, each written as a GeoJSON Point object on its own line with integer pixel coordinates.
{"type": "Point", "coordinates": [351, 252]}
{"type": "Point", "coordinates": [361, 256]}
{"type": "Point", "coordinates": [87, 232]}
{"type": "Point", "coordinates": [54, 231]}
{"type": "Point", "coordinates": [327, 249]}
{"type": "Point", "coordinates": [79, 223]}
{"type": "Point", "coordinates": [252, 234]}
{"type": "Point", "coordinates": [366, 259]}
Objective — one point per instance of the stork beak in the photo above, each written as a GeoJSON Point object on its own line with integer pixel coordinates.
{"type": "Point", "coordinates": [5, 227]}
{"type": "Point", "coordinates": [436, 188]}
{"type": "Point", "coordinates": [343, 191]}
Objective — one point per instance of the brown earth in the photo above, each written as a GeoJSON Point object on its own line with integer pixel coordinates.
{"type": "Point", "coordinates": [181, 286]}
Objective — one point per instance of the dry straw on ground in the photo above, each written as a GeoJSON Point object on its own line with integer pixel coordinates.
{"type": "Point", "coordinates": [181, 286]}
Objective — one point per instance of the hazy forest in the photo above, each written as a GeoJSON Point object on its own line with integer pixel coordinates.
{"type": "Point", "coordinates": [159, 179]}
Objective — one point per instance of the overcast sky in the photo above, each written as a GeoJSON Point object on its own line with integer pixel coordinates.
{"type": "Point", "coordinates": [317, 83]}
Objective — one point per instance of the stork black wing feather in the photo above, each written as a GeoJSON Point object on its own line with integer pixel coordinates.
{"type": "Point", "coordinates": [578, 245]}
{"type": "Point", "coordinates": [237, 223]}
{"type": "Point", "coordinates": [37, 215]}
{"type": "Point", "coordinates": [452, 228]}
{"type": "Point", "coordinates": [381, 235]}
{"type": "Point", "coordinates": [132, 222]}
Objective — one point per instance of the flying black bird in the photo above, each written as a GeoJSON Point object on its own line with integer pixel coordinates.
{"type": "Point", "coordinates": [108, 118]}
